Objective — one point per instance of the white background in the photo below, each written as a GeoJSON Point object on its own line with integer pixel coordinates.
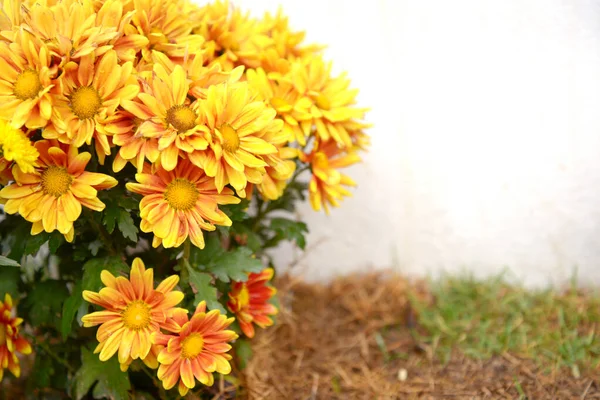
{"type": "Point", "coordinates": [486, 141]}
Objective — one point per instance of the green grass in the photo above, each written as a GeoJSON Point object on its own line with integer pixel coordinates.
{"type": "Point", "coordinates": [556, 329]}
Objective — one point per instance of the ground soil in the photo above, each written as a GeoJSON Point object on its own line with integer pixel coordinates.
{"type": "Point", "coordinates": [328, 343]}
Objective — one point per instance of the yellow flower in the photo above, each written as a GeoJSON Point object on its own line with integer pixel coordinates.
{"type": "Point", "coordinates": [286, 42]}
{"type": "Point", "coordinates": [235, 36]}
{"type": "Point", "coordinates": [237, 124]}
{"type": "Point", "coordinates": [332, 109]}
{"type": "Point", "coordinates": [281, 168]}
{"type": "Point", "coordinates": [167, 116]}
{"type": "Point", "coordinates": [69, 28]}
{"type": "Point", "coordinates": [327, 184]}
{"type": "Point", "coordinates": [291, 107]}
{"type": "Point", "coordinates": [133, 310]}
{"type": "Point", "coordinates": [10, 340]}
{"type": "Point", "coordinates": [15, 146]}
{"type": "Point", "coordinates": [180, 203]}
{"type": "Point", "coordinates": [88, 104]}
{"type": "Point", "coordinates": [167, 26]}
{"type": "Point", "coordinates": [196, 350]}
{"type": "Point", "coordinates": [52, 195]}
{"type": "Point", "coordinates": [249, 301]}
{"type": "Point", "coordinates": [26, 74]}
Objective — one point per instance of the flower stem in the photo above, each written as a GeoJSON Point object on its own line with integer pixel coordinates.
{"type": "Point", "coordinates": [52, 354]}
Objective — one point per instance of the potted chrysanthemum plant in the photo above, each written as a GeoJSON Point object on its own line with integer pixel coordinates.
{"type": "Point", "coordinates": [150, 151]}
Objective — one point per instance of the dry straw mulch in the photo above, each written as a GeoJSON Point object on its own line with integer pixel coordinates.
{"type": "Point", "coordinates": [331, 342]}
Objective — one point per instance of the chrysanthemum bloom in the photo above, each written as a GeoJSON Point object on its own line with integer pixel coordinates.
{"type": "Point", "coordinates": [237, 125]}
{"type": "Point", "coordinates": [333, 102]}
{"type": "Point", "coordinates": [168, 26]}
{"type": "Point", "coordinates": [293, 108]}
{"type": "Point", "coordinates": [179, 204]}
{"type": "Point", "coordinates": [26, 74]}
{"type": "Point", "coordinates": [279, 171]}
{"type": "Point", "coordinates": [236, 36]}
{"type": "Point", "coordinates": [69, 29]}
{"type": "Point", "coordinates": [5, 173]}
{"type": "Point", "coordinates": [133, 311]}
{"type": "Point", "coordinates": [168, 116]}
{"type": "Point", "coordinates": [10, 340]}
{"type": "Point", "coordinates": [287, 43]}
{"type": "Point", "coordinates": [52, 195]}
{"type": "Point", "coordinates": [16, 147]}
{"type": "Point", "coordinates": [249, 301]}
{"type": "Point", "coordinates": [196, 350]}
{"type": "Point", "coordinates": [326, 186]}
{"type": "Point", "coordinates": [87, 101]}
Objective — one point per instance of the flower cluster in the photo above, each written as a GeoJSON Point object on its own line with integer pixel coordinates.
{"type": "Point", "coordinates": [136, 315]}
{"type": "Point", "coordinates": [206, 103]}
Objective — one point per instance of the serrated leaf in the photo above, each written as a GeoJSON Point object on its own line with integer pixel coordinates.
{"type": "Point", "coordinates": [70, 307]}
{"type": "Point", "coordinates": [205, 290]}
{"type": "Point", "coordinates": [8, 262]}
{"type": "Point", "coordinates": [290, 230]}
{"type": "Point", "coordinates": [9, 281]}
{"type": "Point", "coordinates": [235, 265]}
{"type": "Point", "coordinates": [127, 226]}
{"type": "Point", "coordinates": [93, 268]}
{"type": "Point", "coordinates": [33, 244]}
{"type": "Point", "coordinates": [245, 236]}
{"type": "Point", "coordinates": [106, 377]}
{"type": "Point", "coordinates": [44, 302]}
{"type": "Point", "coordinates": [110, 216]}
{"type": "Point", "coordinates": [243, 352]}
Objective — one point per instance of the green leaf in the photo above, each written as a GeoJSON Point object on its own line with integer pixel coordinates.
{"type": "Point", "coordinates": [205, 290]}
{"type": "Point", "coordinates": [93, 268]}
{"type": "Point", "coordinates": [110, 216]}
{"type": "Point", "coordinates": [235, 265]}
{"type": "Point", "coordinates": [56, 239]}
{"type": "Point", "coordinates": [236, 212]}
{"type": "Point", "coordinates": [33, 244]}
{"type": "Point", "coordinates": [290, 230]}
{"type": "Point", "coordinates": [127, 226]}
{"type": "Point", "coordinates": [70, 307]}
{"type": "Point", "coordinates": [41, 374]}
{"type": "Point", "coordinates": [245, 236]}
{"type": "Point", "coordinates": [8, 262]}
{"type": "Point", "coordinates": [9, 281]}
{"type": "Point", "coordinates": [243, 351]}
{"type": "Point", "coordinates": [44, 302]}
{"type": "Point", "coordinates": [106, 377]}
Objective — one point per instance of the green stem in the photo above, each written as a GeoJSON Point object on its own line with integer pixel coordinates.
{"type": "Point", "coordinates": [104, 236]}
{"type": "Point", "coordinates": [52, 354]}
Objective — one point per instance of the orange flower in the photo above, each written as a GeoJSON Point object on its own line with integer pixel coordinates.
{"type": "Point", "coordinates": [237, 124]}
{"type": "Point", "coordinates": [197, 349]}
{"type": "Point", "coordinates": [26, 77]}
{"type": "Point", "coordinates": [51, 196]}
{"type": "Point", "coordinates": [180, 203]}
{"type": "Point", "coordinates": [249, 301]}
{"type": "Point", "coordinates": [167, 116]}
{"type": "Point", "coordinates": [327, 184]}
{"type": "Point", "coordinates": [10, 340]}
{"type": "Point", "coordinates": [88, 104]}
{"type": "Point", "coordinates": [133, 311]}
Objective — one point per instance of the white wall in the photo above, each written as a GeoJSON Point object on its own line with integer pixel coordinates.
{"type": "Point", "coordinates": [486, 141]}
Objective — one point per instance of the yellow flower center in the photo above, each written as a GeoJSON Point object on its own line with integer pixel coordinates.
{"type": "Point", "coordinates": [137, 315]}
{"type": "Point", "coordinates": [244, 297]}
{"type": "Point", "coordinates": [56, 181]}
{"type": "Point", "coordinates": [27, 85]}
{"type": "Point", "coordinates": [85, 102]}
{"type": "Point", "coordinates": [181, 118]}
{"type": "Point", "coordinates": [323, 102]}
{"type": "Point", "coordinates": [181, 194]}
{"type": "Point", "coordinates": [231, 140]}
{"type": "Point", "coordinates": [192, 346]}
{"type": "Point", "coordinates": [2, 334]}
